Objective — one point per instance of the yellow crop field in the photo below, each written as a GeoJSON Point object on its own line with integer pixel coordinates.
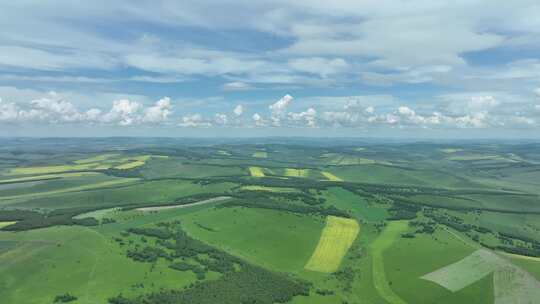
{"type": "Point", "coordinates": [4, 224]}
{"type": "Point", "coordinates": [130, 165]}
{"type": "Point", "coordinates": [137, 161]}
{"type": "Point", "coordinates": [260, 154]}
{"type": "Point", "coordinates": [336, 239]}
{"type": "Point", "coordinates": [296, 172]}
{"type": "Point", "coordinates": [256, 172]}
{"type": "Point", "coordinates": [331, 176]}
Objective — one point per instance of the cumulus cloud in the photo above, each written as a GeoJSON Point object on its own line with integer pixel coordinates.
{"type": "Point", "coordinates": [307, 117]}
{"type": "Point", "coordinates": [238, 110]}
{"type": "Point", "coordinates": [194, 120]}
{"type": "Point", "coordinates": [221, 119]}
{"type": "Point", "coordinates": [278, 109]}
{"type": "Point", "coordinates": [258, 120]}
{"type": "Point", "coordinates": [123, 112]}
{"type": "Point", "coordinates": [158, 112]}
{"type": "Point", "coordinates": [53, 109]}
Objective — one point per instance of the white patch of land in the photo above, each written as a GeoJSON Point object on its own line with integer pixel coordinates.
{"type": "Point", "coordinates": [466, 271]}
{"type": "Point", "coordinates": [208, 201]}
{"type": "Point", "coordinates": [512, 285]}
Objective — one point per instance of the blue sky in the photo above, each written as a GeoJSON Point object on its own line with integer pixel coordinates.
{"type": "Point", "coordinates": [262, 68]}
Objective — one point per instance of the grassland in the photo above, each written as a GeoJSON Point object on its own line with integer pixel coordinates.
{"type": "Point", "coordinates": [53, 261]}
{"type": "Point", "coordinates": [94, 186]}
{"type": "Point", "coordinates": [481, 196]}
{"type": "Point", "coordinates": [379, 246]}
{"type": "Point", "coordinates": [280, 241]}
{"type": "Point", "coordinates": [336, 239]}
{"type": "Point", "coordinates": [358, 206]}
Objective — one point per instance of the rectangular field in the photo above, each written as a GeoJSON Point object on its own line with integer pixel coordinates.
{"type": "Point", "coordinates": [336, 239]}
{"type": "Point", "coordinates": [260, 154]}
{"type": "Point", "coordinates": [465, 272]}
{"type": "Point", "coordinates": [296, 172]}
{"type": "Point", "coordinates": [256, 172]}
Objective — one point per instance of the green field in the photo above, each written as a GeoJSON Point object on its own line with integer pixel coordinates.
{"type": "Point", "coordinates": [285, 246]}
{"type": "Point", "coordinates": [379, 246]}
{"type": "Point", "coordinates": [416, 223]}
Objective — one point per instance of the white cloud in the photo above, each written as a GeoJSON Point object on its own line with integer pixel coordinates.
{"type": "Point", "coordinates": [221, 119]}
{"type": "Point", "coordinates": [123, 112]}
{"type": "Point", "coordinates": [207, 63]}
{"type": "Point", "coordinates": [279, 108]}
{"type": "Point", "coordinates": [238, 110]}
{"type": "Point", "coordinates": [308, 117]}
{"type": "Point", "coordinates": [320, 66]}
{"type": "Point", "coordinates": [33, 58]}
{"type": "Point", "coordinates": [258, 120]}
{"type": "Point", "coordinates": [158, 112]}
{"type": "Point", "coordinates": [236, 86]}
{"type": "Point", "coordinates": [194, 120]}
{"type": "Point", "coordinates": [52, 108]}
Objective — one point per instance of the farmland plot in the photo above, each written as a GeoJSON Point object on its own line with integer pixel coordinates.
{"type": "Point", "coordinates": [336, 239]}
{"type": "Point", "coordinates": [463, 273]}
{"type": "Point", "coordinates": [256, 172]}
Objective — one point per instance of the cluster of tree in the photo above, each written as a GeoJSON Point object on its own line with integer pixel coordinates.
{"type": "Point", "coordinates": [346, 277]}
{"type": "Point", "coordinates": [179, 201]}
{"type": "Point", "coordinates": [532, 252]}
{"type": "Point", "coordinates": [199, 271]}
{"type": "Point", "coordinates": [160, 233]}
{"type": "Point", "coordinates": [133, 172]}
{"type": "Point", "coordinates": [450, 221]}
{"type": "Point", "coordinates": [304, 197]}
{"type": "Point", "coordinates": [252, 284]}
{"type": "Point", "coordinates": [65, 298]}
{"type": "Point", "coordinates": [146, 254]}
{"type": "Point", "coordinates": [403, 211]}
{"type": "Point", "coordinates": [270, 204]}
{"type": "Point", "coordinates": [324, 292]}
{"type": "Point", "coordinates": [26, 219]}
{"type": "Point", "coordinates": [423, 227]}
{"type": "Point", "coordinates": [240, 282]}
